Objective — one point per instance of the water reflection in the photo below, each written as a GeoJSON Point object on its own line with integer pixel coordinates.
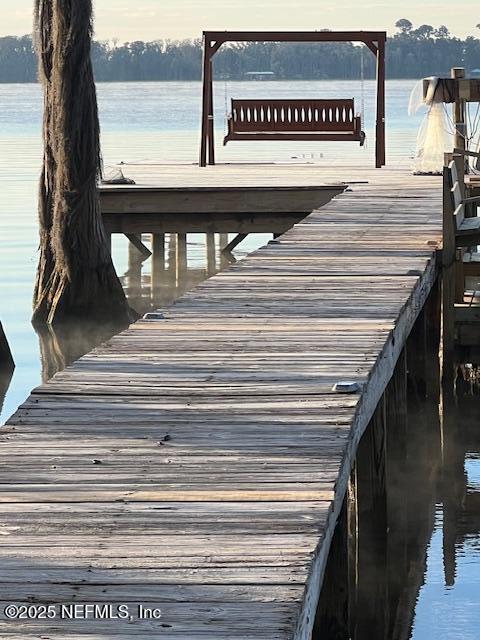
{"type": "Point", "coordinates": [409, 569]}
{"type": "Point", "coordinates": [63, 344]}
{"type": "Point", "coordinates": [156, 282]}
{"type": "Point", "coordinates": [6, 374]}
{"type": "Point", "coordinates": [155, 277]}
{"type": "Point", "coordinates": [7, 366]}
{"type": "Point", "coordinates": [448, 602]}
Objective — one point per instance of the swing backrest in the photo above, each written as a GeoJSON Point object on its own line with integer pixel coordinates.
{"type": "Point", "coordinates": [294, 115]}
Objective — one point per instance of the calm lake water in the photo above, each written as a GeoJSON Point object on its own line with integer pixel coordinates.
{"type": "Point", "coordinates": [159, 122]}
{"type": "Point", "coordinates": [147, 122]}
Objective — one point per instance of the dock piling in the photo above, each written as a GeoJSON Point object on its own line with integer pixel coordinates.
{"type": "Point", "coordinates": [181, 260]}
{"type": "Point", "coordinates": [158, 263]}
{"type": "Point", "coordinates": [211, 253]}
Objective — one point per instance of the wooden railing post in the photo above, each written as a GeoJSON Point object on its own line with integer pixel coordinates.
{"type": "Point", "coordinates": [448, 284]}
{"type": "Point", "coordinates": [380, 154]}
{"type": "Point", "coordinates": [458, 73]}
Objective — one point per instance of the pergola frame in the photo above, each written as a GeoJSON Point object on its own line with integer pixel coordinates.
{"type": "Point", "coordinates": [213, 40]}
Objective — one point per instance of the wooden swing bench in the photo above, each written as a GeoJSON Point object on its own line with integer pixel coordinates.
{"type": "Point", "coordinates": [330, 120]}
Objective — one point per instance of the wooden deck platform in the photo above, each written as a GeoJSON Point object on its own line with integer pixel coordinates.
{"type": "Point", "coordinates": [198, 463]}
{"type": "Point", "coordinates": [229, 198]}
{"type": "Point", "coordinates": [237, 198]}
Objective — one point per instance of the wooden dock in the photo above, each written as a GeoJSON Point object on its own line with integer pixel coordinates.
{"type": "Point", "coordinates": [223, 199]}
{"type": "Point", "coordinates": [199, 463]}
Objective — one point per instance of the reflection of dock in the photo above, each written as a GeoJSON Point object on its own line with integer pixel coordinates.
{"type": "Point", "coordinates": [199, 463]}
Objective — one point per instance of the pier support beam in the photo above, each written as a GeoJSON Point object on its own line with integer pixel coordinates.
{"type": "Point", "coordinates": [211, 253]}
{"type": "Point", "coordinates": [158, 263]}
{"type": "Point", "coordinates": [240, 237]}
{"type": "Point", "coordinates": [181, 260]}
{"type": "Point", "coordinates": [371, 610]}
{"type": "Point", "coordinates": [136, 240]}
{"type": "Point", "coordinates": [332, 617]}
{"type": "Point", "coordinates": [397, 490]}
{"type": "Point", "coordinates": [448, 288]}
{"type": "Point", "coordinates": [134, 272]}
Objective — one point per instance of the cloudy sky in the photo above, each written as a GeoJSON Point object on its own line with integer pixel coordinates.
{"type": "Point", "coordinates": [152, 19]}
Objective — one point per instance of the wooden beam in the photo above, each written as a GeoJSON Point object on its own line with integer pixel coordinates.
{"type": "Point", "coordinates": [380, 156]}
{"type": "Point", "coordinates": [215, 46]}
{"type": "Point", "coordinates": [205, 101]}
{"type": "Point", "coordinates": [351, 500]}
{"type": "Point", "coordinates": [233, 243]}
{"type": "Point", "coordinates": [158, 262]}
{"type": "Point", "coordinates": [135, 239]}
{"type": "Point", "coordinates": [211, 127]}
{"type": "Point", "coordinates": [202, 200]}
{"type": "Point", "coordinates": [373, 47]}
{"type": "Point", "coordinates": [459, 113]}
{"type": "Point", "coordinates": [397, 489]}
{"type": "Point", "coordinates": [295, 36]}
{"type": "Point", "coordinates": [332, 617]}
{"type": "Point", "coordinates": [467, 89]}
{"type": "Point", "coordinates": [448, 285]}
{"type": "Point", "coordinates": [371, 615]}
{"type": "Point", "coordinates": [211, 255]}
{"type": "Point", "coordinates": [181, 260]}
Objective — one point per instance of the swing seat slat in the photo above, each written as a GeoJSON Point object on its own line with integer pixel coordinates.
{"type": "Point", "coordinates": [294, 120]}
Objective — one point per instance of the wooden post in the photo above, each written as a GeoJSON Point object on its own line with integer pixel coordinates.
{"type": "Point", "coordinates": [433, 322]}
{"type": "Point", "coordinates": [453, 485]}
{"type": "Point", "coordinates": [458, 73]}
{"type": "Point", "coordinates": [171, 275]}
{"type": "Point", "coordinates": [181, 259]}
{"type": "Point", "coordinates": [372, 612]}
{"type": "Point", "coordinates": [459, 276]}
{"type": "Point", "coordinates": [352, 549]}
{"type": "Point", "coordinates": [448, 286]}
{"type": "Point", "coordinates": [223, 240]}
{"type": "Point", "coordinates": [380, 155]}
{"type": "Point", "coordinates": [417, 362]}
{"type": "Point", "coordinates": [211, 254]}
{"type": "Point", "coordinates": [332, 616]}
{"type": "Point", "coordinates": [205, 101]}
{"type": "Point", "coordinates": [397, 489]}
{"type": "Point", "coordinates": [135, 259]}
{"type": "Point", "coordinates": [211, 132]}
{"type": "Point", "coordinates": [158, 263]}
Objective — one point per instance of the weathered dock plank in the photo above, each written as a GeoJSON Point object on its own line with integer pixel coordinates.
{"type": "Point", "coordinates": [198, 463]}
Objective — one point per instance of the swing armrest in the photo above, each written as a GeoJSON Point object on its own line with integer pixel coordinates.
{"type": "Point", "coordinates": [471, 200]}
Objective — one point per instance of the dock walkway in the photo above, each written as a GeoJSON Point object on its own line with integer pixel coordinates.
{"type": "Point", "coordinates": [198, 463]}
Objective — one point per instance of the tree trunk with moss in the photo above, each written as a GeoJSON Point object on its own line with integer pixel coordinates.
{"type": "Point", "coordinates": [76, 279]}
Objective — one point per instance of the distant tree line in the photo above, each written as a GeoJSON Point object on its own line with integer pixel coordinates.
{"type": "Point", "coordinates": [411, 53]}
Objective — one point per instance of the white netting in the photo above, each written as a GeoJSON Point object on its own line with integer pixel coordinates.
{"type": "Point", "coordinates": [434, 137]}
{"type": "Point", "coordinates": [433, 141]}
{"type": "Point", "coordinates": [416, 99]}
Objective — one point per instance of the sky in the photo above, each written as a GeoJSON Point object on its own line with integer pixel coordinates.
{"type": "Point", "coordinates": [176, 19]}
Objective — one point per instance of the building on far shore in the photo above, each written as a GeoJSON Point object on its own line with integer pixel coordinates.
{"type": "Point", "coordinates": [260, 75]}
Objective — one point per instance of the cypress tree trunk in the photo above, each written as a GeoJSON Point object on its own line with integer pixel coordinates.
{"type": "Point", "coordinates": [6, 358]}
{"type": "Point", "coordinates": [76, 279]}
